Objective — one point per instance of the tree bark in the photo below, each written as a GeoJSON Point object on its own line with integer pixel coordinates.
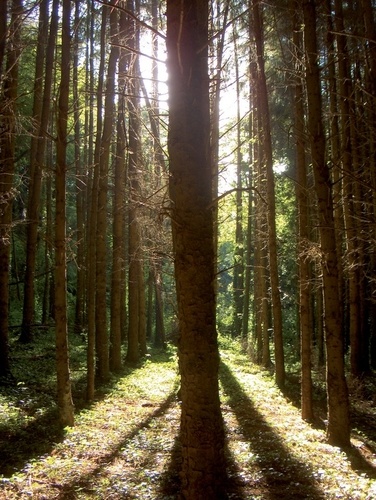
{"type": "Point", "coordinates": [303, 221]}
{"type": "Point", "coordinates": [64, 395]}
{"type": "Point", "coordinates": [265, 131]}
{"type": "Point", "coordinates": [118, 261]}
{"type": "Point", "coordinates": [7, 165]}
{"type": "Point", "coordinates": [202, 433]}
{"type": "Point", "coordinates": [36, 171]}
{"type": "Point", "coordinates": [102, 341]}
{"type": "Point", "coordinates": [338, 430]}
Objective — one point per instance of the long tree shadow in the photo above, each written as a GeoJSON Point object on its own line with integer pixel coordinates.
{"type": "Point", "coordinates": [284, 476]}
{"type": "Point", "coordinates": [84, 482]}
{"type": "Point", "coordinates": [20, 443]}
{"type": "Point", "coordinates": [363, 421]}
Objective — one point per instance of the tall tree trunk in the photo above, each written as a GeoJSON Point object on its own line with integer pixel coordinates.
{"type": "Point", "coordinates": [80, 182]}
{"type": "Point", "coordinates": [136, 292]}
{"type": "Point", "coordinates": [7, 165]}
{"type": "Point", "coordinates": [64, 395]}
{"type": "Point", "coordinates": [3, 33]}
{"type": "Point", "coordinates": [262, 96]}
{"type": "Point", "coordinates": [36, 171]}
{"type": "Point", "coordinates": [92, 223]}
{"type": "Point", "coordinates": [238, 280]}
{"type": "Point", "coordinates": [303, 237]}
{"type": "Point", "coordinates": [102, 350]}
{"type": "Point", "coordinates": [202, 433]}
{"type": "Point", "coordinates": [118, 262]}
{"type": "Point", "coordinates": [338, 404]}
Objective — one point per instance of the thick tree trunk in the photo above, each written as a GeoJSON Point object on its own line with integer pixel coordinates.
{"type": "Point", "coordinates": [202, 433]}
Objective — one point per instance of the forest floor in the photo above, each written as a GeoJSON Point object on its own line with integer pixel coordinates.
{"type": "Point", "coordinates": [126, 444]}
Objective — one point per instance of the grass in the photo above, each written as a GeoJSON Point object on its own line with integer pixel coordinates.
{"type": "Point", "coordinates": [125, 445]}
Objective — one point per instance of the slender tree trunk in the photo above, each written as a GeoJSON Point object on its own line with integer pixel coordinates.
{"type": "Point", "coordinates": [102, 349]}
{"type": "Point", "coordinates": [303, 237]}
{"type": "Point", "coordinates": [265, 130]}
{"type": "Point", "coordinates": [7, 165]}
{"type": "Point", "coordinates": [338, 404]}
{"type": "Point", "coordinates": [64, 394]}
{"type": "Point", "coordinates": [92, 223]}
{"type": "Point", "coordinates": [136, 292]}
{"type": "Point", "coordinates": [36, 171]}
{"type": "Point", "coordinates": [202, 433]}
{"type": "Point", "coordinates": [80, 183]}
{"type": "Point", "coordinates": [238, 280]}
{"type": "Point", "coordinates": [118, 262]}
{"type": "Point", "coordinates": [3, 33]}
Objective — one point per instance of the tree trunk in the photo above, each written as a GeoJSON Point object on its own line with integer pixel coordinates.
{"type": "Point", "coordinates": [262, 96]}
{"type": "Point", "coordinates": [238, 280]}
{"type": "Point", "coordinates": [80, 184]}
{"type": "Point", "coordinates": [65, 404]}
{"type": "Point", "coordinates": [7, 164]}
{"type": "Point", "coordinates": [136, 291]}
{"type": "Point", "coordinates": [101, 339]}
{"type": "Point", "coordinates": [92, 222]}
{"type": "Point", "coordinates": [202, 433]}
{"type": "Point", "coordinates": [118, 261]}
{"type": "Point", "coordinates": [36, 169]}
{"type": "Point", "coordinates": [338, 405]}
{"type": "Point", "coordinates": [303, 237]}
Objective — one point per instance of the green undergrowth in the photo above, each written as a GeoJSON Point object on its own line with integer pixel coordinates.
{"type": "Point", "coordinates": [125, 445]}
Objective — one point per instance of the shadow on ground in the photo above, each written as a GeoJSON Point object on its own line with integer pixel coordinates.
{"type": "Point", "coordinates": [84, 483]}
{"type": "Point", "coordinates": [363, 420]}
{"type": "Point", "coordinates": [39, 431]}
{"type": "Point", "coordinates": [170, 484]}
{"type": "Point", "coordinates": [275, 468]}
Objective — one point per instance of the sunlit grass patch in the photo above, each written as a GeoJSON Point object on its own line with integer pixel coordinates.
{"type": "Point", "coordinates": [265, 416]}
{"type": "Point", "coordinates": [123, 425]}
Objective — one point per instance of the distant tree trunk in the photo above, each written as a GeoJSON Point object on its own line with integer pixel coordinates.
{"type": "Point", "coordinates": [102, 349]}
{"type": "Point", "coordinates": [36, 171]}
{"type": "Point", "coordinates": [262, 96]}
{"type": "Point", "coordinates": [160, 336]}
{"type": "Point", "coordinates": [92, 223]}
{"type": "Point", "coordinates": [118, 261]}
{"type": "Point", "coordinates": [249, 236]}
{"type": "Point", "coordinates": [202, 434]}
{"type": "Point", "coordinates": [80, 183]}
{"type": "Point", "coordinates": [338, 404]}
{"type": "Point", "coordinates": [35, 176]}
{"type": "Point", "coordinates": [3, 33]}
{"type": "Point", "coordinates": [222, 17]}
{"type": "Point", "coordinates": [7, 164]}
{"type": "Point", "coordinates": [136, 292]}
{"type": "Point", "coordinates": [238, 280]}
{"type": "Point", "coordinates": [350, 171]}
{"type": "Point", "coordinates": [65, 404]}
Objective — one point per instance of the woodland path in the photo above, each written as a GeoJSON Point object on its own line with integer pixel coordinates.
{"type": "Point", "coordinates": [125, 446]}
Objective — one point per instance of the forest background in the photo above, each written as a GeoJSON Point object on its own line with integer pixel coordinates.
{"type": "Point", "coordinates": [86, 245]}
